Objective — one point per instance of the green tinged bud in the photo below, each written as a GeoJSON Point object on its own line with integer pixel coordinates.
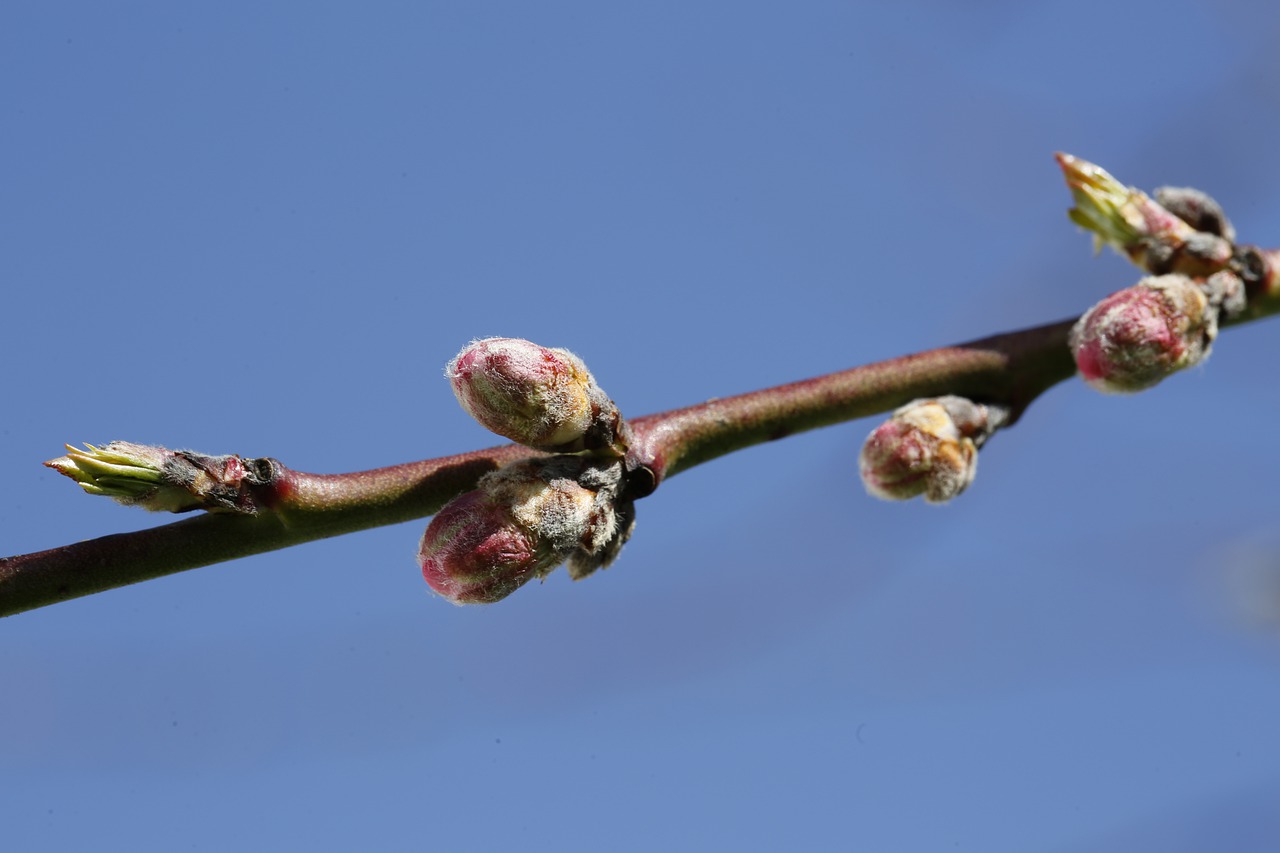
{"type": "Point", "coordinates": [160, 479]}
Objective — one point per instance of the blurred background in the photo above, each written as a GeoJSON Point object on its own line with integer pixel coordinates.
{"type": "Point", "coordinates": [264, 228]}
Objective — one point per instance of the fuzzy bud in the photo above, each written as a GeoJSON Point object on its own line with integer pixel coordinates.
{"type": "Point", "coordinates": [1226, 293]}
{"type": "Point", "coordinates": [605, 546]}
{"type": "Point", "coordinates": [521, 522]}
{"type": "Point", "coordinates": [476, 552]}
{"type": "Point", "coordinates": [927, 447]}
{"type": "Point", "coordinates": [1134, 338]}
{"type": "Point", "coordinates": [1196, 208]}
{"type": "Point", "coordinates": [539, 397]}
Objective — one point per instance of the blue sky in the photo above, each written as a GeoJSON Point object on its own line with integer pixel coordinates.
{"type": "Point", "coordinates": [264, 228]}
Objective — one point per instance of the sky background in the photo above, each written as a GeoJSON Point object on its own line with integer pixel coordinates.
{"type": "Point", "coordinates": [264, 228]}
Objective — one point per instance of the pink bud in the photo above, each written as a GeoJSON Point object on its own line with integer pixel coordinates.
{"type": "Point", "coordinates": [521, 522]}
{"type": "Point", "coordinates": [921, 450]}
{"type": "Point", "coordinates": [476, 552]}
{"type": "Point", "coordinates": [1134, 338]}
{"type": "Point", "coordinates": [539, 397]}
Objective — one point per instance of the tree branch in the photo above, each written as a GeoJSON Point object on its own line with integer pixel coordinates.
{"type": "Point", "coordinates": [268, 506]}
{"type": "Point", "coordinates": [1011, 369]}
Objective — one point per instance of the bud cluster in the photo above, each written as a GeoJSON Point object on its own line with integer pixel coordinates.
{"type": "Point", "coordinates": [928, 447]}
{"type": "Point", "coordinates": [1136, 337]}
{"type": "Point", "coordinates": [523, 520]}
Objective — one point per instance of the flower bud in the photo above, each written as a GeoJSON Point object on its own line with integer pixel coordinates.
{"type": "Point", "coordinates": [1134, 338]}
{"type": "Point", "coordinates": [542, 398]}
{"type": "Point", "coordinates": [476, 552]}
{"type": "Point", "coordinates": [521, 522]}
{"type": "Point", "coordinates": [928, 447]}
{"type": "Point", "coordinates": [545, 495]}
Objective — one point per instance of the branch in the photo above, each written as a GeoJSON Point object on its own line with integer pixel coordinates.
{"type": "Point", "coordinates": [299, 507]}
{"type": "Point", "coordinates": [266, 506]}
{"type": "Point", "coordinates": [1012, 369]}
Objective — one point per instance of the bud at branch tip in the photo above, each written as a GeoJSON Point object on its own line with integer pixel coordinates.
{"type": "Point", "coordinates": [164, 480]}
{"type": "Point", "coordinates": [1192, 236]}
